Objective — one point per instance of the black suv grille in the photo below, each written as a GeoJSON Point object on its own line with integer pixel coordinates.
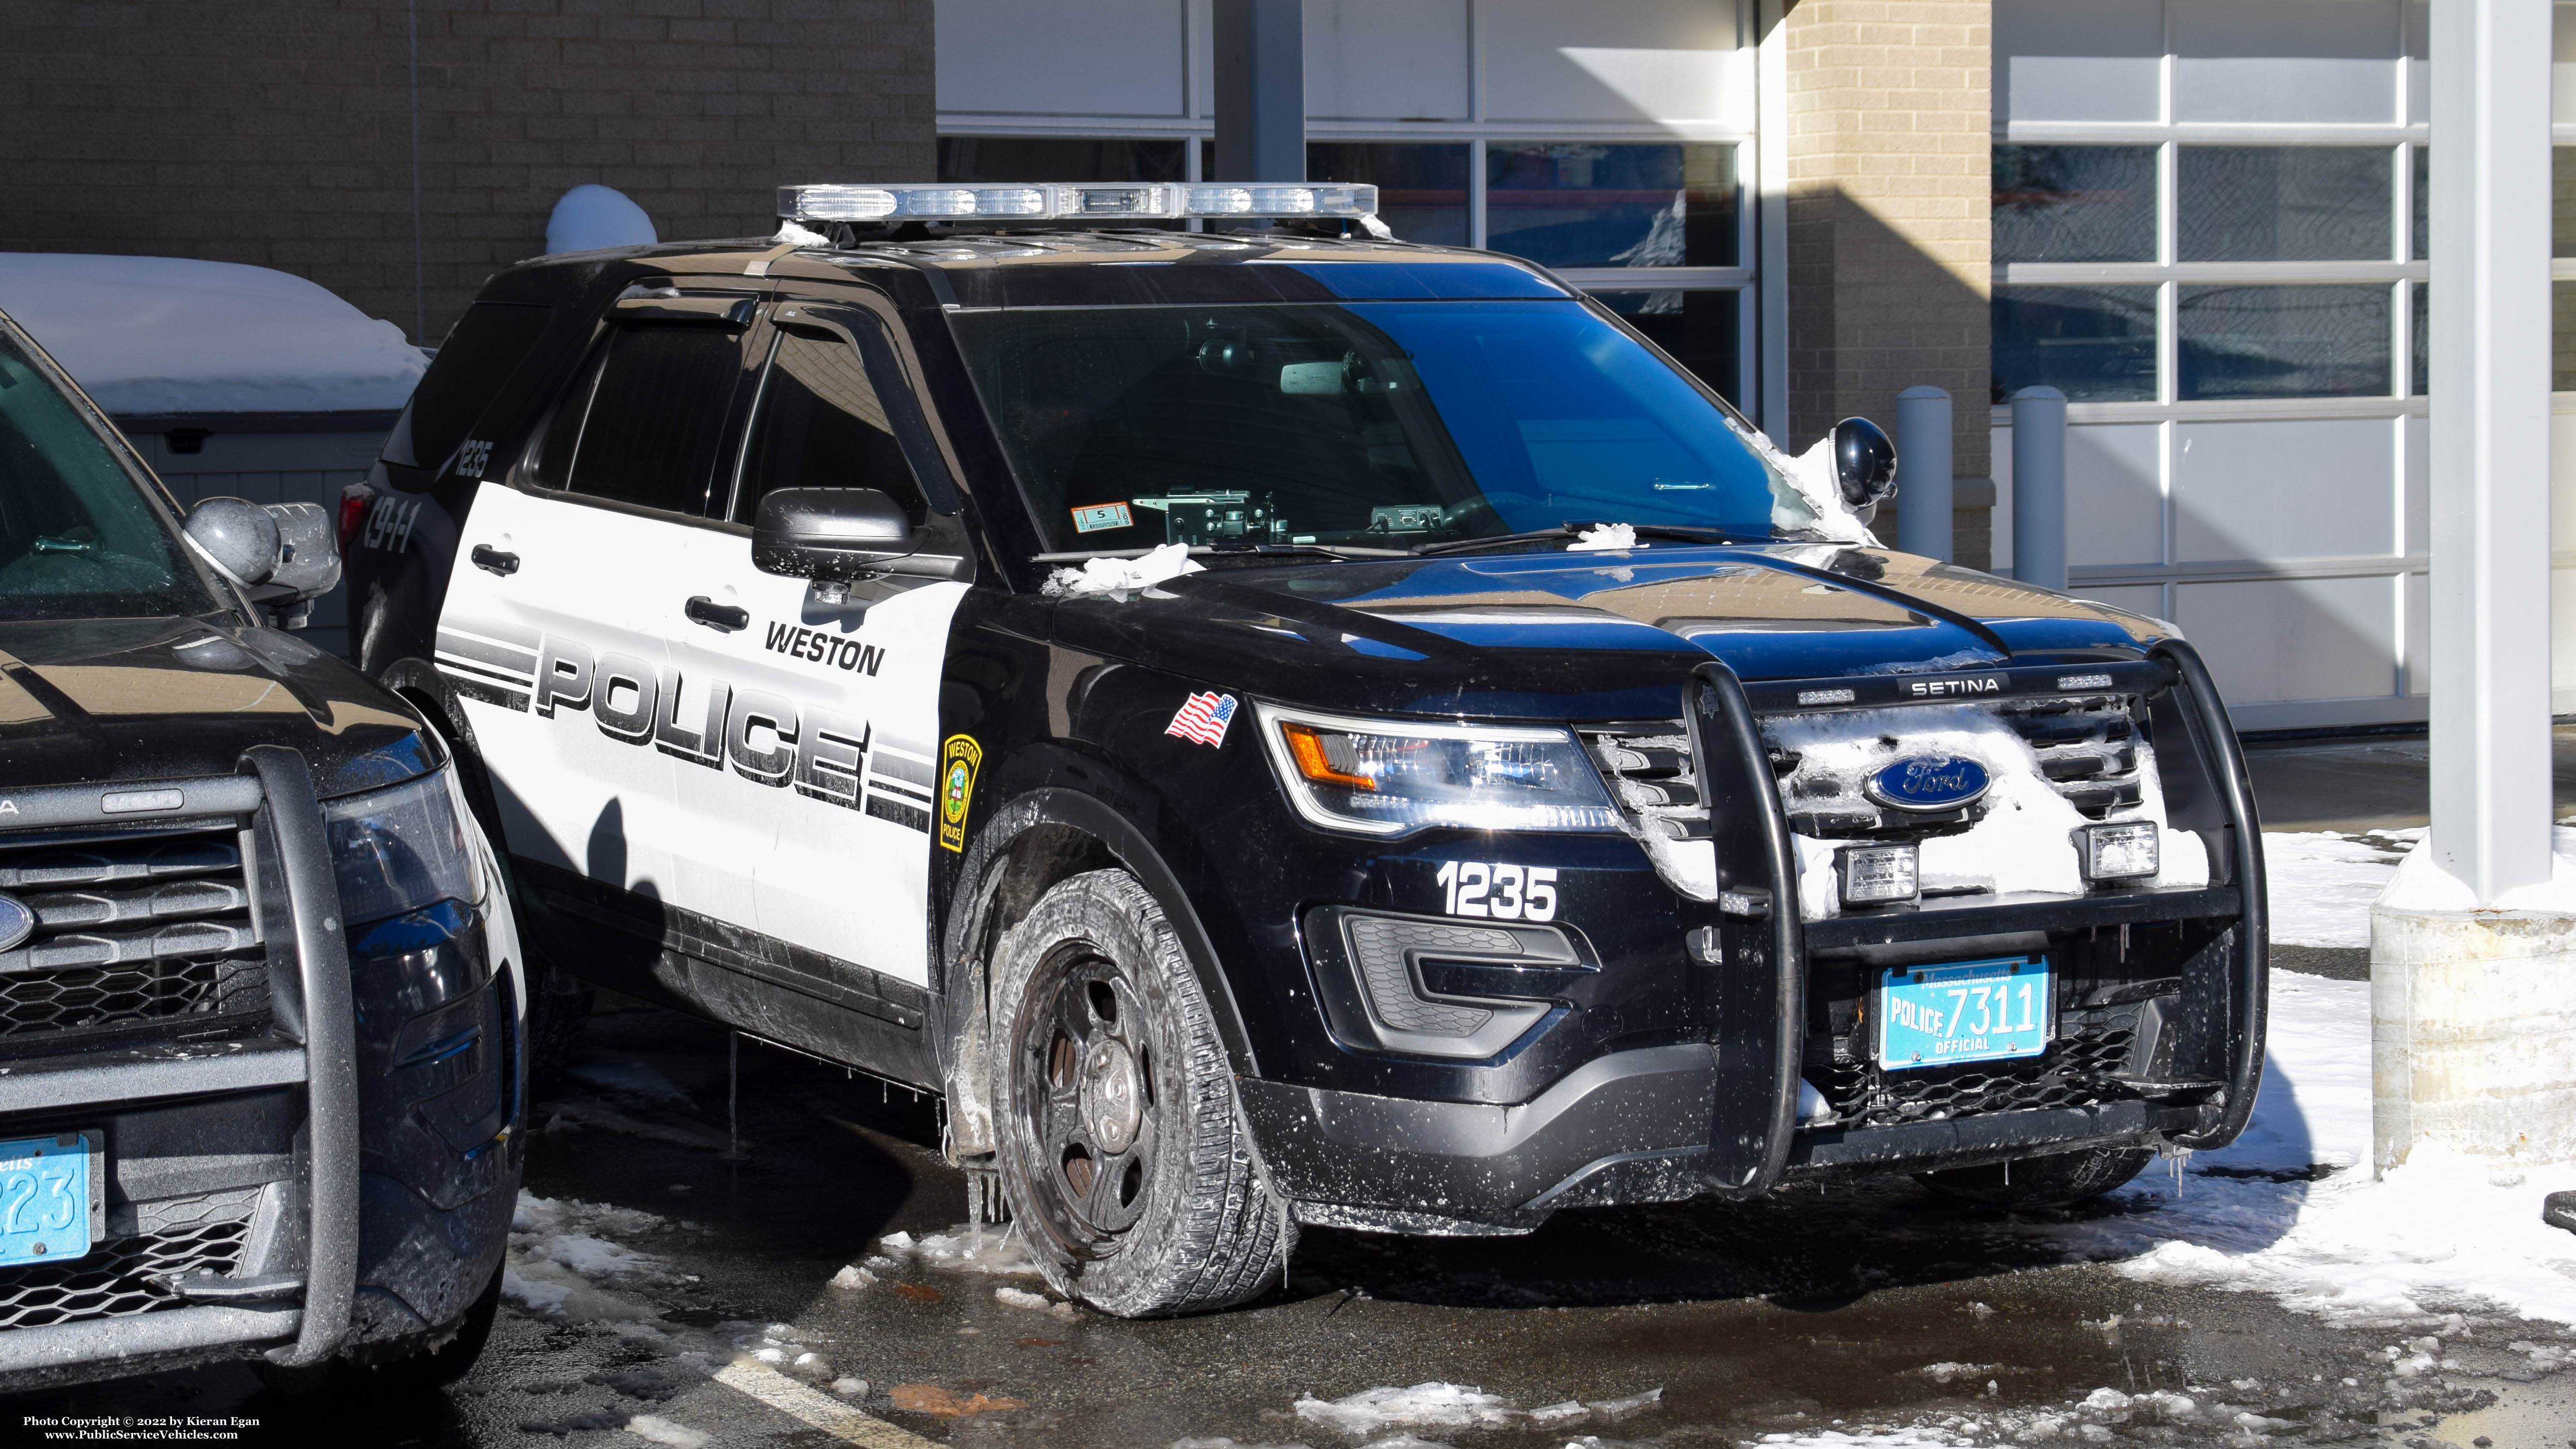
{"type": "Point", "coordinates": [148, 934]}
{"type": "Point", "coordinates": [2080, 1069]}
{"type": "Point", "coordinates": [1648, 767]}
{"type": "Point", "coordinates": [2088, 749]}
{"type": "Point", "coordinates": [177, 1235]}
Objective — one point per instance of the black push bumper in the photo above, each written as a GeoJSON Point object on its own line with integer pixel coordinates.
{"type": "Point", "coordinates": [1670, 1122]}
{"type": "Point", "coordinates": [219, 1063]}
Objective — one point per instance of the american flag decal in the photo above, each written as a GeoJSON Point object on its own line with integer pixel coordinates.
{"type": "Point", "coordinates": [1203, 718]}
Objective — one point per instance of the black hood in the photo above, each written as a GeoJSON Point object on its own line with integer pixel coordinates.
{"type": "Point", "coordinates": [1555, 634]}
{"type": "Point", "coordinates": [151, 699]}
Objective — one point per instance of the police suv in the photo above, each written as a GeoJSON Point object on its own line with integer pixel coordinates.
{"type": "Point", "coordinates": [1281, 726]}
{"type": "Point", "coordinates": [262, 1022]}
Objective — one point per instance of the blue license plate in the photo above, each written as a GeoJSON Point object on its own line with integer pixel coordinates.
{"type": "Point", "coordinates": [1969, 1011]}
{"type": "Point", "coordinates": [45, 1198]}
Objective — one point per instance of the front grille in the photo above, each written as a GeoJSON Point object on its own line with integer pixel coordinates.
{"type": "Point", "coordinates": [2080, 1069]}
{"type": "Point", "coordinates": [140, 935]}
{"type": "Point", "coordinates": [2088, 749]}
{"type": "Point", "coordinates": [1648, 766]}
{"type": "Point", "coordinates": [205, 1232]}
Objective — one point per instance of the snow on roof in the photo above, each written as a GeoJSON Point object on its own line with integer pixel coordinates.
{"type": "Point", "coordinates": [171, 335]}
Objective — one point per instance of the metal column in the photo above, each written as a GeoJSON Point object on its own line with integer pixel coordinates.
{"type": "Point", "coordinates": [1923, 463]}
{"type": "Point", "coordinates": [1260, 90]}
{"type": "Point", "coordinates": [2039, 486]}
{"type": "Point", "coordinates": [2490, 442]}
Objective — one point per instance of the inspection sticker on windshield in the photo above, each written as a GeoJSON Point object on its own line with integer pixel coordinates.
{"type": "Point", "coordinates": [45, 1190]}
{"type": "Point", "coordinates": [1102, 515]}
{"type": "Point", "coordinates": [1971, 1011]}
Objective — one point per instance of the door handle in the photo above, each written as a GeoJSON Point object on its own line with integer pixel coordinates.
{"type": "Point", "coordinates": [716, 616]}
{"type": "Point", "coordinates": [487, 557]}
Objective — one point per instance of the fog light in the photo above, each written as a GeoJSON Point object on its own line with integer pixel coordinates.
{"type": "Point", "coordinates": [2127, 851]}
{"type": "Point", "coordinates": [1873, 875]}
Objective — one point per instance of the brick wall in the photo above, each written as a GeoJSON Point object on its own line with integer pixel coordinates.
{"type": "Point", "coordinates": [279, 133]}
{"type": "Point", "coordinates": [1890, 132]}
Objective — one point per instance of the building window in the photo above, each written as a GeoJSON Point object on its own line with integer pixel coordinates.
{"type": "Point", "coordinates": [2075, 204]}
{"type": "Point", "coordinates": [2281, 342]}
{"type": "Point", "coordinates": [2094, 344]}
{"type": "Point", "coordinates": [1060, 158]}
{"type": "Point", "coordinates": [1587, 204]}
{"type": "Point", "coordinates": [1421, 188]}
{"type": "Point", "coordinates": [2267, 272]}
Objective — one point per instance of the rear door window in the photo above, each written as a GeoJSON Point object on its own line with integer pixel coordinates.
{"type": "Point", "coordinates": [646, 425]}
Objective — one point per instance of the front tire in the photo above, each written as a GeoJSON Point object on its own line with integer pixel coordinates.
{"type": "Point", "coordinates": [2059, 1180]}
{"type": "Point", "coordinates": [1130, 1174]}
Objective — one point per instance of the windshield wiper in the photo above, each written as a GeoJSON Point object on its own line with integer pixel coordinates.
{"type": "Point", "coordinates": [1678, 532]}
{"type": "Point", "coordinates": [1248, 550]}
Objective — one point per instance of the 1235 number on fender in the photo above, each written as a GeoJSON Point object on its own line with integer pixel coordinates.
{"type": "Point", "coordinates": [1497, 890]}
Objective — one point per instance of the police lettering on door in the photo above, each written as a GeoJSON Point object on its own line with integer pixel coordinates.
{"type": "Point", "coordinates": [826, 755]}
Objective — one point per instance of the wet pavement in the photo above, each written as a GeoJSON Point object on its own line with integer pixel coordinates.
{"type": "Point", "coordinates": [1878, 1312]}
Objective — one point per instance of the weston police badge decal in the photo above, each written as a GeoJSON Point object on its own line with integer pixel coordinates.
{"type": "Point", "coordinates": [959, 759]}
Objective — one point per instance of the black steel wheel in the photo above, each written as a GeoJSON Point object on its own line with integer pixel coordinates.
{"type": "Point", "coordinates": [1129, 1173]}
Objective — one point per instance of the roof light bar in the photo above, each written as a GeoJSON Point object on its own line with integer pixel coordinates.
{"type": "Point", "coordinates": [1062, 201]}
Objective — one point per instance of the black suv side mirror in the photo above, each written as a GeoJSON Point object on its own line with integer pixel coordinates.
{"type": "Point", "coordinates": [1864, 462]}
{"type": "Point", "coordinates": [279, 553]}
{"type": "Point", "coordinates": [829, 535]}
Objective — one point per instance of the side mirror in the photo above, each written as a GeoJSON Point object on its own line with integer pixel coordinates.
{"type": "Point", "coordinates": [829, 535]}
{"type": "Point", "coordinates": [280, 554]}
{"type": "Point", "coordinates": [1864, 463]}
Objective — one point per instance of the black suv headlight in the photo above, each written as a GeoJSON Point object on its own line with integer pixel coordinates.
{"type": "Point", "coordinates": [1388, 777]}
{"type": "Point", "coordinates": [399, 849]}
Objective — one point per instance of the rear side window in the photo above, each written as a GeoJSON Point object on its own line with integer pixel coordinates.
{"type": "Point", "coordinates": [476, 361]}
{"type": "Point", "coordinates": [646, 426]}
{"type": "Point", "coordinates": [821, 425]}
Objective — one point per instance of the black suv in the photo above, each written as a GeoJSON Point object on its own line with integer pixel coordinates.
{"type": "Point", "coordinates": [1283, 726]}
{"type": "Point", "coordinates": [260, 1002]}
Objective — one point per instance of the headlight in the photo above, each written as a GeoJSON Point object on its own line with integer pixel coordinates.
{"type": "Point", "coordinates": [1386, 777]}
{"type": "Point", "coordinates": [400, 849]}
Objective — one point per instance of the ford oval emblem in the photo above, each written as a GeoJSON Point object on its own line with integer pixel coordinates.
{"type": "Point", "coordinates": [17, 923]}
{"type": "Point", "coordinates": [1929, 782]}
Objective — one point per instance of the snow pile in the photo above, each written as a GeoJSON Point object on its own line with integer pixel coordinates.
{"type": "Point", "coordinates": [1034, 1302]}
{"type": "Point", "coordinates": [1603, 537]}
{"type": "Point", "coordinates": [1119, 577]}
{"type": "Point", "coordinates": [558, 1264]}
{"type": "Point", "coordinates": [1447, 1406]}
{"type": "Point", "coordinates": [1455, 1406]}
{"type": "Point", "coordinates": [172, 335]}
{"type": "Point", "coordinates": [2422, 884]}
{"type": "Point", "coordinates": [2321, 886]}
{"type": "Point", "coordinates": [593, 218]}
{"type": "Point", "coordinates": [2440, 1233]}
{"type": "Point", "coordinates": [2024, 841]}
{"type": "Point", "coordinates": [655, 1429]}
{"type": "Point", "coordinates": [1816, 503]}
{"type": "Point", "coordinates": [779, 1345]}
{"type": "Point", "coordinates": [966, 1248]}
{"type": "Point", "coordinates": [790, 234]}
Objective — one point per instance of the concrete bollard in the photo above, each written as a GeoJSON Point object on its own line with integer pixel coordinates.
{"type": "Point", "coordinates": [2039, 486]}
{"type": "Point", "coordinates": [2473, 1032]}
{"type": "Point", "coordinates": [1923, 499]}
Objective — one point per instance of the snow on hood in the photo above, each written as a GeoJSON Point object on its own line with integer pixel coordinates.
{"type": "Point", "coordinates": [174, 335]}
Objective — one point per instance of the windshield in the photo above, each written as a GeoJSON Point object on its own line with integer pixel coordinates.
{"type": "Point", "coordinates": [1393, 424]}
{"type": "Point", "coordinates": [77, 538]}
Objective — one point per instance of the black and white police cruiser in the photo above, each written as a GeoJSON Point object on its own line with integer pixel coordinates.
{"type": "Point", "coordinates": [1280, 726]}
